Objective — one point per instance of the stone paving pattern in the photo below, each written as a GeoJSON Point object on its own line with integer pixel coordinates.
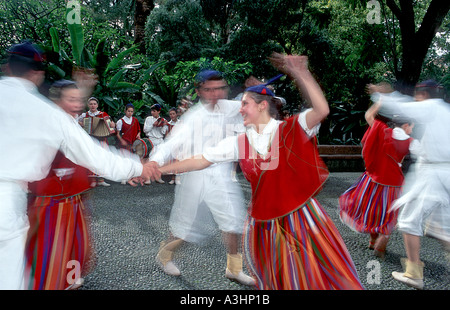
{"type": "Point", "coordinates": [128, 223]}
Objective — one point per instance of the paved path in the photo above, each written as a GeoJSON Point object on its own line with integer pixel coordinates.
{"type": "Point", "coordinates": [129, 223]}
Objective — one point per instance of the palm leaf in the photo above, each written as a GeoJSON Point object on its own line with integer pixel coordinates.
{"type": "Point", "coordinates": [115, 63]}
{"type": "Point", "coordinates": [76, 38]}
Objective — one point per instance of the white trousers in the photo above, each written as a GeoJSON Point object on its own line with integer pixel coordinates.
{"type": "Point", "coordinates": [13, 235]}
{"type": "Point", "coordinates": [205, 200]}
{"type": "Point", "coordinates": [425, 204]}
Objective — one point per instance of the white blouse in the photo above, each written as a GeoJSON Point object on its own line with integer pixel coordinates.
{"type": "Point", "coordinates": [125, 119]}
{"type": "Point", "coordinates": [228, 149]}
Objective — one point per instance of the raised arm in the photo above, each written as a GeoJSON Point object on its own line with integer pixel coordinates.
{"type": "Point", "coordinates": [371, 113]}
{"type": "Point", "coordinates": [296, 67]}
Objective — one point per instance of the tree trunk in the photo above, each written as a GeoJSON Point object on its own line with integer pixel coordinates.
{"type": "Point", "coordinates": [143, 9]}
{"type": "Point", "coordinates": [415, 44]}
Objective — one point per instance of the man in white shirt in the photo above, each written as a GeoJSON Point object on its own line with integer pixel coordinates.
{"type": "Point", "coordinates": [155, 128]}
{"type": "Point", "coordinates": [427, 188]}
{"type": "Point", "coordinates": [34, 129]}
{"type": "Point", "coordinates": [209, 192]}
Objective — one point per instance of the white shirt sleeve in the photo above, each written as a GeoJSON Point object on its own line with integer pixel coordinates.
{"type": "Point", "coordinates": [399, 134]}
{"type": "Point", "coordinates": [119, 125]}
{"type": "Point", "coordinates": [226, 150]}
{"type": "Point", "coordinates": [83, 150]}
{"type": "Point", "coordinates": [148, 125]}
{"type": "Point", "coordinates": [302, 121]}
{"type": "Point", "coordinates": [170, 148]}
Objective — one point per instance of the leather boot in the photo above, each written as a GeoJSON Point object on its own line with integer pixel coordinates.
{"type": "Point", "coordinates": [413, 275]}
{"type": "Point", "coordinates": [165, 256]}
{"type": "Point", "coordinates": [234, 270]}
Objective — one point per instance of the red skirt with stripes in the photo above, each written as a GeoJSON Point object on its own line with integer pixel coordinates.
{"type": "Point", "coordinates": [58, 245]}
{"type": "Point", "coordinates": [300, 251]}
{"type": "Point", "coordinates": [366, 206]}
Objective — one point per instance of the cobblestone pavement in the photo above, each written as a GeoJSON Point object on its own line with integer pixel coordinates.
{"type": "Point", "coordinates": [128, 223]}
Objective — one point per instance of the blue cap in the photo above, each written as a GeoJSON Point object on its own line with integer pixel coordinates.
{"type": "Point", "coordinates": [156, 107]}
{"type": "Point", "coordinates": [429, 84]}
{"type": "Point", "coordinates": [262, 88]}
{"type": "Point", "coordinates": [27, 50]}
{"type": "Point", "coordinates": [206, 75]}
{"type": "Point", "coordinates": [63, 83]}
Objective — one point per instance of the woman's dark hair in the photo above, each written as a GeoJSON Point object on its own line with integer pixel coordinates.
{"type": "Point", "coordinates": [275, 103]}
{"type": "Point", "coordinates": [56, 90]}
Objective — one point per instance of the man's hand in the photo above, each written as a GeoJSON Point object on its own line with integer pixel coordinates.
{"type": "Point", "coordinates": [135, 181]}
{"type": "Point", "coordinates": [151, 171]}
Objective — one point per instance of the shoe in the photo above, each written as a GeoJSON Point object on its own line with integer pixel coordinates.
{"type": "Point", "coordinates": [234, 270]}
{"type": "Point", "coordinates": [177, 180]}
{"type": "Point", "coordinates": [400, 276]}
{"type": "Point", "coordinates": [124, 182]}
{"type": "Point", "coordinates": [148, 182]}
{"type": "Point", "coordinates": [170, 269]}
{"type": "Point", "coordinates": [103, 183]}
{"type": "Point", "coordinates": [240, 277]}
{"type": "Point", "coordinates": [93, 184]}
{"type": "Point", "coordinates": [413, 275]}
{"type": "Point", "coordinates": [160, 181]}
{"type": "Point", "coordinates": [163, 259]}
{"type": "Point", "coordinates": [165, 255]}
{"type": "Point", "coordinates": [172, 182]}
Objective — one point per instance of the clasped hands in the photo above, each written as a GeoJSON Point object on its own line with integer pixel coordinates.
{"type": "Point", "coordinates": [150, 171]}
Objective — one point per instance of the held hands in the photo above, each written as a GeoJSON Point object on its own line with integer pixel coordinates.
{"type": "Point", "coordinates": [150, 171]}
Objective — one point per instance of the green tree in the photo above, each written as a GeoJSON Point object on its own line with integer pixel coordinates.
{"type": "Point", "coordinates": [415, 24]}
{"type": "Point", "coordinates": [177, 31]}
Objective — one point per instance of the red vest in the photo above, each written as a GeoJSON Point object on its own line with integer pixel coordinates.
{"type": "Point", "coordinates": [129, 132]}
{"type": "Point", "coordinates": [290, 175]}
{"type": "Point", "coordinates": [65, 179]}
{"type": "Point", "coordinates": [382, 154]}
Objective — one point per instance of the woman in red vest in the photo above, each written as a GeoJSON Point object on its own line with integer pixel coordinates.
{"type": "Point", "coordinates": [58, 244]}
{"type": "Point", "coordinates": [289, 241]}
{"type": "Point", "coordinates": [128, 128]}
{"type": "Point", "coordinates": [366, 206]}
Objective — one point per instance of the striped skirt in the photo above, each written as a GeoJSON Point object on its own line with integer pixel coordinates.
{"type": "Point", "coordinates": [366, 206]}
{"type": "Point", "coordinates": [300, 251]}
{"type": "Point", "coordinates": [58, 243]}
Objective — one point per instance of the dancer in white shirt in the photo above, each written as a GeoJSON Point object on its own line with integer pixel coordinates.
{"type": "Point", "coordinates": [209, 192]}
{"type": "Point", "coordinates": [38, 129]}
{"type": "Point", "coordinates": [427, 189]}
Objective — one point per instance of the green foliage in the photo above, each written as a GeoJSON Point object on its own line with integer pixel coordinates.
{"type": "Point", "coordinates": [177, 31]}
{"type": "Point", "coordinates": [173, 84]}
{"type": "Point", "coordinates": [182, 37]}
